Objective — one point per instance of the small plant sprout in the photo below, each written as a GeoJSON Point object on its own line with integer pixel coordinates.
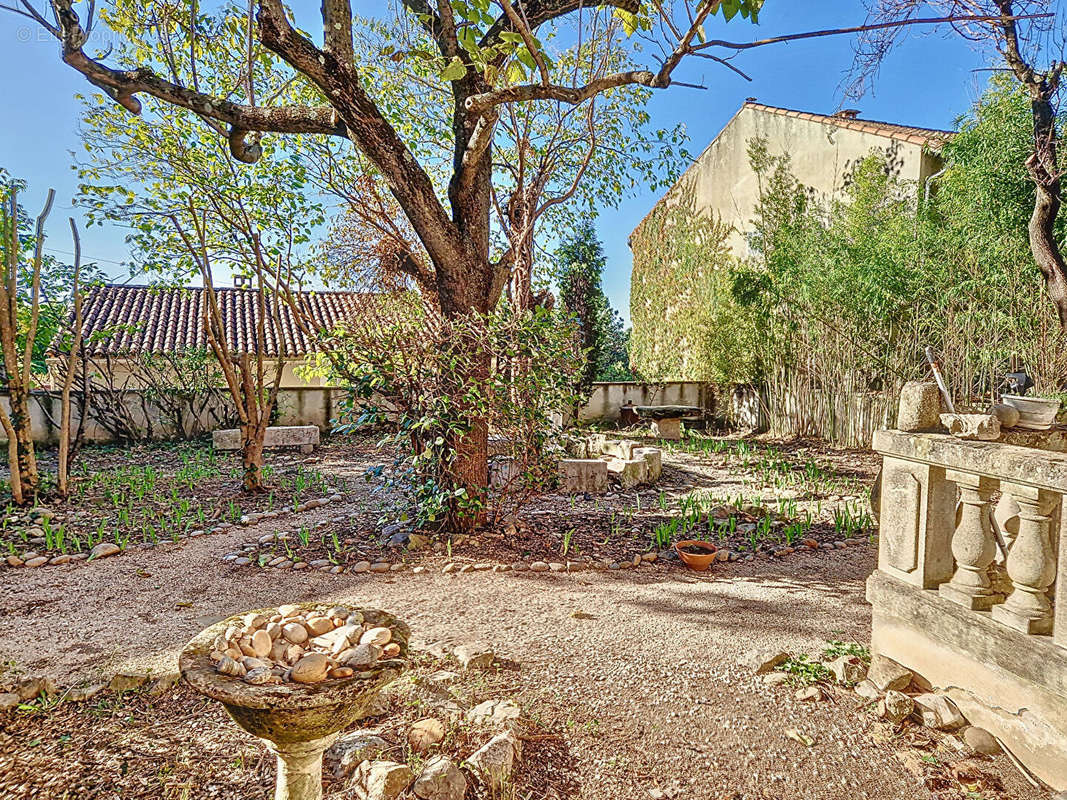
{"type": "Point", "coordinates": [567, 542]}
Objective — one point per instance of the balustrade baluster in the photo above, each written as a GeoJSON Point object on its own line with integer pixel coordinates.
{"type": "Point", "coordinates": [1031, 563]}
{"type": "Point", "coordinates": [973, 545]}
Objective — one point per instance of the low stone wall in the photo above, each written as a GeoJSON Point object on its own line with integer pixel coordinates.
{"type": "Point", "coordinates": [296, 406]}
{"type": "Point", "coordinates": [607, 398]}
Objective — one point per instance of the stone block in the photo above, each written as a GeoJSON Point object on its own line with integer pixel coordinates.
{"type": "Point", "coordinates": [580, 475]}
{"type": "Point", "coordinates": [654, 457]}
{"type": "Point", "coordinates": [304, 437]}
{"type": "Point", "coordinates": [628, 472]}
{"type": "Point", "coordinates": [919, 408]}
{"type": "Point", "coordinates": [670, 429]}
{"type": "Point", "coordinates": [975, 427]}
{"type": "Point", "coordinates": [916, 523]}
{"type": "Point", "coordinates": [503, 471]}
{"type": "Point", "coordinates": [619, 448]}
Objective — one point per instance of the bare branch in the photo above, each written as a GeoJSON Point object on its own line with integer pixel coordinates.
{"type": "Point", "coordinates": [794, 37]}
{"type": "Point", "coordinates": [480, 103]}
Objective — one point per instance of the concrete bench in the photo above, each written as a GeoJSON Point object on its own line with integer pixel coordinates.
{"type": "Point", "coordinates": [666, 420]}
{"type": "Point", "coordinates": [304, 437]}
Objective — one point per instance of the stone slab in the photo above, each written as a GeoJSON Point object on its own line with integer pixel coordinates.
{"type": "Point", "coordinates": [1024, 465]}
{"type": "Point", "coordinates": [304, 437]}
{"type": "Point", "coordinates": [583, 475]}
{"type": "Point", "coordinates": [629, 472]}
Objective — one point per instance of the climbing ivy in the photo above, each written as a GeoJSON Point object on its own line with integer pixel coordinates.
{"type": "Point", "coordinates": [685, 320]}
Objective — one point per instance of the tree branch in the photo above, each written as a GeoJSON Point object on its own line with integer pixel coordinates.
{"type": "Point", "coordinates": [123, 86]}
{"type": "Point", "coordinates": [337, 30]}
{"type": "Point", "coordinates": [793, 37]}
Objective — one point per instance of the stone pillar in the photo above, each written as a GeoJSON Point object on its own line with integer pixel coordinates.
{"type": "Point", "coordinates": [300, 768]}
{"type": "Point", "coordinates": [1031, 563]}
{"type": "Point", "coordinates": [667, 429]}
{"type": "Point", "coordinates": [973, 545]}
{"type": "Point", "coordinates": [916, 522]}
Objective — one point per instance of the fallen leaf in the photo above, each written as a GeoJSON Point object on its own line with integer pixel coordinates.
{"type": "Point", "coordinates": [184, 604]}
{"type": "Point", "coordinates": [582, 615]}
{"type": "Point", "coordinates": [797, 736]}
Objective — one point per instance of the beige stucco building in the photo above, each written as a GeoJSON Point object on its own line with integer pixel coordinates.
{"type": "Point", "coordinates": [671, 294]}
{"type": "Point", "coordinates": [823, 150]}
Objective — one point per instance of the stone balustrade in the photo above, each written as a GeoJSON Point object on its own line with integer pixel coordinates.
{"type": "Point", "coordinates": [965, 594]}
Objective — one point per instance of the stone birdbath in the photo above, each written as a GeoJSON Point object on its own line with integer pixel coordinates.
{"type": "Point", "coordinates": [297, 720]}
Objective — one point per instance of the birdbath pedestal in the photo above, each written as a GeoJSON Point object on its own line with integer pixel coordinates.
{"type": "Point", "coordinates": [296, 721]}
{"type": "Point", "coordinates": [666, 420]}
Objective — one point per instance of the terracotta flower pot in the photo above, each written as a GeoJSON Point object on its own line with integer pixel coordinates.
{"type": "Point", "coordinates": [698, 563]}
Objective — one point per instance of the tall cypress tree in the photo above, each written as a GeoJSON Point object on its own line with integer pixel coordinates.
{"type": "Point", "coordinates": [580, 260]}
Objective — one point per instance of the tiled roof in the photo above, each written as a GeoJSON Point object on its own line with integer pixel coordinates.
{"type": "Point", "coordinates": [928, 137]}
{"type": "Point", "coordinates": [133, 319]}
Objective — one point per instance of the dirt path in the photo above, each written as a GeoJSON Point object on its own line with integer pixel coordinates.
{"type": "Point", "coordinates": [646, 681]}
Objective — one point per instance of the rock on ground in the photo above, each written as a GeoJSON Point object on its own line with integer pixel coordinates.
{"type": "Point", "coordinates": [886, 674]}
{"type": "Point", "coordinates": [440, 779]}
{"type": "Point", "coordinates": [867, 690]}
{"type": "Point", "coordinates": [981, 741]}
{"type": "Point", "coordinates": [494, 761]}
{"type": "Point", "coordinates": [937, 711]}
{"type": "Point", "coordinates": [474, 656]}
{"type": "Point", "coordinates": [895, 707]}
{"type": "Point", "coordinates": [495, 713]}
{"type": "Point", "coordinates": [848, 669]}
{"type": "Point", "coordinates": [380, 780]}
{"type": "Point", "coordinates": [353, 748]}
{"type": "Point", "coordinates": [763, 661]}
{"type": "Point", "coordinates": [425, 733]}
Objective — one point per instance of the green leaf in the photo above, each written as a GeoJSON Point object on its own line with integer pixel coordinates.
{"type": "Point", "coordinates": [629, 21]}
{"type": "Point", "coordinates": [454, 71]}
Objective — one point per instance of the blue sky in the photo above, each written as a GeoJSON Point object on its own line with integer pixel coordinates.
{"type": "Point", "coordinates": [928, 81]}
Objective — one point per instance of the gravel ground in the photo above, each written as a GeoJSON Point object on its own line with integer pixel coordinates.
{"type": "Point", "coordinates": [646, 679]}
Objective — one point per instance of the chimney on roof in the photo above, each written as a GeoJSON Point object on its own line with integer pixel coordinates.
{"type": "Point", "coordinates": [242, 282]}
{"type": "Point", "coordinates": [847, 113]}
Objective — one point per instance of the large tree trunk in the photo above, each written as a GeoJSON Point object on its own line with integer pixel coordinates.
{"type": "Point", "coordinates": [1044, 168]}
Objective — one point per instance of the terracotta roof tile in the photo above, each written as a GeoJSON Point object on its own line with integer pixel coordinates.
{"type": "Point", "coordinates": [129, 319]}
{"type": "Point", "coordinates": [930, 137]}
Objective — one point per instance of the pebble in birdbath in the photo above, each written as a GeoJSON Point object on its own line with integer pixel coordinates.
{"type": "Point", "coordinates": [295, 676]}
{"type": "Point", "coordinates": [301, 645]}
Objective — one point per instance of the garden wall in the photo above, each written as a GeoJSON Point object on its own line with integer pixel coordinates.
{"type": "Point", "coordinates": [296, 406]}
